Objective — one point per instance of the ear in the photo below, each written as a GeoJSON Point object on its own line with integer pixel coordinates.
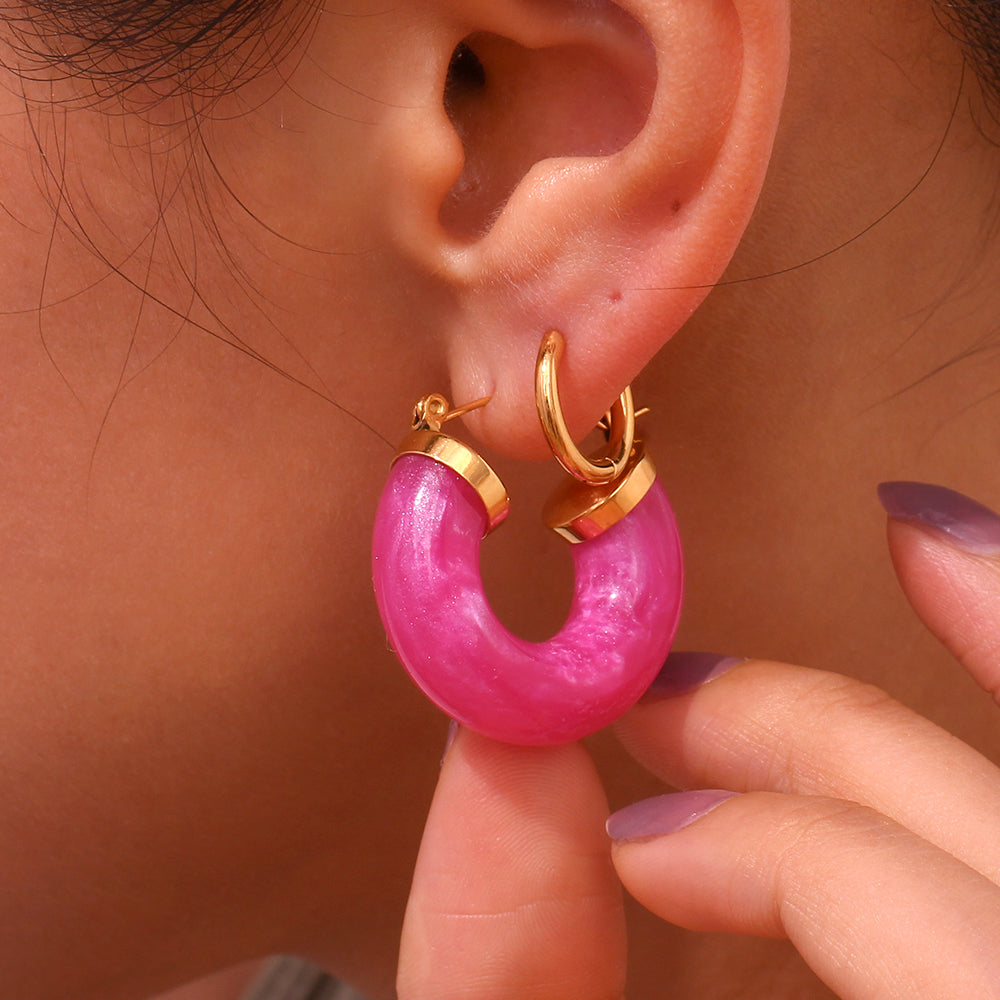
{"type": "Point", "coordinates": [590, 168]}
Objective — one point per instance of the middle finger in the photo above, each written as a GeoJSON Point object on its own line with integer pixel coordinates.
{"type": "Point", "coordinates": [764, 726]}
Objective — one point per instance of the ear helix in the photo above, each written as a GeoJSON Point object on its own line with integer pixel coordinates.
{"type": "Point", "coordinates": [441, 498]}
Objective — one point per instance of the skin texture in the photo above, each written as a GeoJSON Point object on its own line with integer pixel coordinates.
{"type": "Point", "coordinates": [209, 754]}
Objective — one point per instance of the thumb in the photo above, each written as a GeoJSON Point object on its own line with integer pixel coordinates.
{"type": "Point", "coordinates": [946, 550]}
{"type": "Point", "coordinates": [514, 894]}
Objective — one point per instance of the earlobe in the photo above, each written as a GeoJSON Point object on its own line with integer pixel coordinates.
{"type": "Point", "coordinates": [589, 153]}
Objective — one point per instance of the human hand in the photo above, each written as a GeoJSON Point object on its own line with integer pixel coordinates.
{"type": "Point", "coordinates": [862, 832]}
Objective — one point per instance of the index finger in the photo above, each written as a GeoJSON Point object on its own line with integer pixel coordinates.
{"type": "Point", "coordinates": [514, 895]}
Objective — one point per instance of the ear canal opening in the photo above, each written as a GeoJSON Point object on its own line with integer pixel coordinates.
{"type": "Point", "coordinates": [513, 106]}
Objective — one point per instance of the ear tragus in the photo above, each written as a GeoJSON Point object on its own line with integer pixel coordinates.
{"type": "Point", "coordinates": [513, 106]}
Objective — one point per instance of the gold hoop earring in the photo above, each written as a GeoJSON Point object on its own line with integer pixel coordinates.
{"type": "Point", "coordinates": [431, 519]}
{"type": "Point", "coordinates": [605, 489]}
{"type": "Point", "coordinates": [621, 421]}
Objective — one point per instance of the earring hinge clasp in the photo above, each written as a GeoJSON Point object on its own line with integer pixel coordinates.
{"type": "Point", "coordinates": [427, 438]}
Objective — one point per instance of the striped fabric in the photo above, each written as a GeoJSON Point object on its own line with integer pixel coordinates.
{"type": "Point", "coordinates": [286, 978]}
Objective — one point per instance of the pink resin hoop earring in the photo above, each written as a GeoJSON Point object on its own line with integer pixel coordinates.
{"type": "Point", "coordinates": [440, 501]}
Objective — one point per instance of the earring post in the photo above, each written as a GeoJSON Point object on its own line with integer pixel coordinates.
{"type": "Point", "coordinates": [460, 411]}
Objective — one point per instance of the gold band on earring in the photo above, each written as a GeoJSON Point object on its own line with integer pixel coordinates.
{"type": "Point", "coordinates": [427, 438]}
{"type": "Point", "coordinates": [603, 489]}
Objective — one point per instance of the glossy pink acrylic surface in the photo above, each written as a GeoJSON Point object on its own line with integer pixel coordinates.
{"type": "Point", "coordinates": [625, 609]}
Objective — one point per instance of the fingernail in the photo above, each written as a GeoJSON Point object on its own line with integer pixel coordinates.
{"type": "Point", "coordinates": [452, 733]}
{"type": "Point", "coordinates": [683, 672]}
{"type": "Point", "coordinates": [664, 814]}
{"type": "Point", "coordinates": [956, 518]}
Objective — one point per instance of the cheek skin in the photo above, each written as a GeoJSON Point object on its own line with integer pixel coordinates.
{"type": "Point", "coordinates": [205, 737]}
{"type": "Point", "coordinates": [204, 690]}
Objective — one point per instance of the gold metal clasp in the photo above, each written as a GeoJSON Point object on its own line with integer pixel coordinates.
{"type": "Point", "coordinates": [433, 411]}
{"type": "Point", "coordinates": [428, 438]}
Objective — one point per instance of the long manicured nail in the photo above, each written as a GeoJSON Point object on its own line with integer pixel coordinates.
{"type": "Point", "coordinates": [967, 524]}
{"type": "Point", "coordinates": [449, 739]}
{"type": "Point", "coordinates": [683, 672]}
{"type": "Point", "coordinates": [664, 814]}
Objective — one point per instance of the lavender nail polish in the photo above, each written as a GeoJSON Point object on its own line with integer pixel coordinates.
{"type": "Point", "coordinates": [684, 672]}
{"type": "Point", "coordinates": [664, 814]}
{"type": "Point", "coordinates": [452, 735]}
{"type": "Point", "coordinates": [956, 518]}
